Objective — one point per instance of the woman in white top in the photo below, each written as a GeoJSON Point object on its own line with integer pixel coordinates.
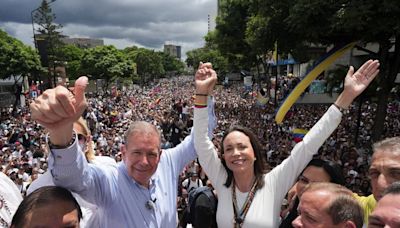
{"type": "Point", "coordinates": [248, 196]}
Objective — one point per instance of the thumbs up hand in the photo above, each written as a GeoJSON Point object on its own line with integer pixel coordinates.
{"type": "Point", "coordinates": [58, 108]}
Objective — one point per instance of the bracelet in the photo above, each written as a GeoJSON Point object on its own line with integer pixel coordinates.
{"type": "Point", "coordinates": [200, 105]}
{"type": "Point", "coordinates": [52, 146]}
{"type": "Point", "coordinates": [340, 108]}
{"type": "Point", "coordinates": [202, 94]}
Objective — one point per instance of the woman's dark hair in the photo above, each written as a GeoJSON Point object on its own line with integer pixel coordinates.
{"type": "Point", "coordinates": [260, 164]}
{"type": "Point", "coordinates": [331, 168]}
{"type": "Point", "coordinates": [336, 176]}
{"type": "Point", "coordinates": [43, 196]}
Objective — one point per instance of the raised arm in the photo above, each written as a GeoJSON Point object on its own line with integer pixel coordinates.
{"type": "Point", "coordinates": [57, 109]}
{"type": "Point", "coordinates": [185, 151]}
{"type": "Point", "coordinates": [355, 84]}
{"type": "Point", "coordinates": [205, 81]}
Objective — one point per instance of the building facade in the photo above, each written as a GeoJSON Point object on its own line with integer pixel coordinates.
{"type": "Point", "coordinates": [173, 50]}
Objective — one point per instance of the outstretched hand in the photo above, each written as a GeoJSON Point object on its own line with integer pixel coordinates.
{"type": "Point", "coordinates": [356, 83]}
{"type": "Point", "coordinates": [205, 78]}
{"type": "Point", "coordinates": [58, 107]}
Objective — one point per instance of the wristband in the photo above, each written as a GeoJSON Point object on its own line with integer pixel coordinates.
{"type": "Point", "coordinates": [52, 146]}
{"type": "Point", "coordinates": [340, 108]}
{"type": "Point", "coordinates": [202, 94]}
{"type": "Point", "coordinates": [200, 105]}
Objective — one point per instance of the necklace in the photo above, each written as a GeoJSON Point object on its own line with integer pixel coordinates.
{"type": "Point", "coordinates": [239, 216]}
{"type": "Point", "coordinates": [3, 204]}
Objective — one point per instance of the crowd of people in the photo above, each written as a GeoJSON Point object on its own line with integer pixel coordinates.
{"type": "Point", "coordinates": [168, 105]}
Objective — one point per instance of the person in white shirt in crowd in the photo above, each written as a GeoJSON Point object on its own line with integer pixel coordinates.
{"type": "Point", "coordinates": [192, 182]}
{"type": "Point", "coordinates": [10, 198]}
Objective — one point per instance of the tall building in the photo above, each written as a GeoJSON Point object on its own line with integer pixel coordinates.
{"type": "Point", "coordinates": [173, 50]}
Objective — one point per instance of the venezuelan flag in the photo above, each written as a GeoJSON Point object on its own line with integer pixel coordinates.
{"type": "Point", "coordinates": [298, 134]}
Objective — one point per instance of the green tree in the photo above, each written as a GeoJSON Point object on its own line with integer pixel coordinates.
{"type": "Point", "coordinates": [17, 60]}
{"type": "Point", "coordinates": [220, 63]}
{"type": "Point", "coordinates": [72, 55]}
{"type": "Point", "coordinates": [49, 34]}
{"type": "Point", "coordinates": [106, 62]}
{"type": "Point", "coordinates": [149, 64]}
{"type": "Point", "coordinates": [171, 64]}
{"type": "Point", "coordinates": [230, 34]}
{"type": "Point", "coordinates": [250, 28]}
{"type": "Point", "coordinates": [366, 21]}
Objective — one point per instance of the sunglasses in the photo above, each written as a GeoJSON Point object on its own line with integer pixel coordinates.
{"type": "Point", "coordinates": [82, 137]}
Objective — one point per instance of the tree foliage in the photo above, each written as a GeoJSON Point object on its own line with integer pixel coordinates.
{"type": "Point", "coordinates": [49, 31]}
{"type": "Point", "coordinates": [149, 64]}
{"type": "Point", "coordinates": [171, 64]}
{"type": "Point", "coordinates": [230, 34]}
{"type": "Point", "coordinates": [251, 28]}
{"type": "Point", "coordinates": [194, 57]}
{"type": "Point", "coordinates": [106, 62]}
{"type": "Point", "coordinates": [72, 55]}
{"type": "Point", "coordinates": [366, 21]}
{"type": "Point", "coordinates": [16, 59]}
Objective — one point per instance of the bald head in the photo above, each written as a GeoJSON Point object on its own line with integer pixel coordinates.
{"type": "Point", "coordinates": [329, 205]}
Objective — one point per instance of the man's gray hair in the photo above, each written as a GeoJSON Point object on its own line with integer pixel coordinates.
{"type": "Point", "coordinates": [142, 127]}
{"type": "Point", "coordinates": [343, 207]}
{"type": "Point", "coordinates": [346, 208]}
{"type": "Point", "coordinates": [388, 144]}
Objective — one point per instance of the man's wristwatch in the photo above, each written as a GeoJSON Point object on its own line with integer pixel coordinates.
{"type": "Point", "coordinates": [52, 146]}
